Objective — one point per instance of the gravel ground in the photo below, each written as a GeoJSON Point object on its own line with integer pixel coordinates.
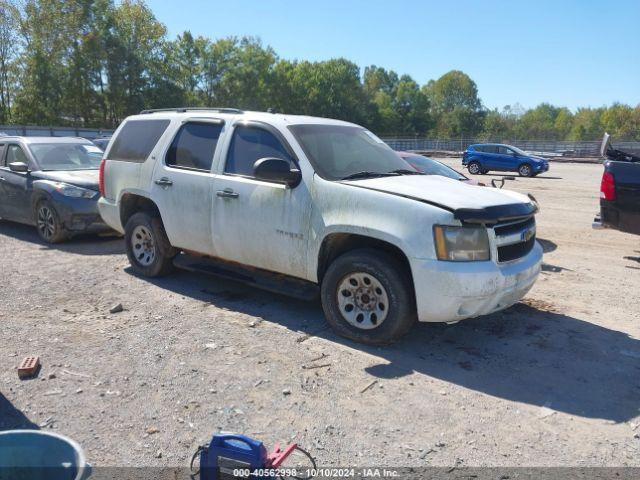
{"type": "Point", "coordinates": [555, 380]}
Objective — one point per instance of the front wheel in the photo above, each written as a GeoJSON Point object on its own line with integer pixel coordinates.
{"type": "Point", "coordinates": [48, 223]}
{"type": "Point", "coordinates": [525, 170]}
{"type": "Point", "coordinates": [367, 296]}
{"type": "Point", "coordinates": [148, 248]}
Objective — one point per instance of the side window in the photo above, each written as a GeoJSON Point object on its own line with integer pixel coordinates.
{"type": "Point", "coordinates": [505, 151]}
{"type": "Point", "coordinates": [480, 149]}
{"type": "Point", "coordinates": [2, 164]}
{"type": "Point", "coordinates": [193, 147]}
{"type": "Point", "coordinates": [137, 139]}
{"type": "Point", "coordinates": [15, 154]}
{"type": "Point", "coordinates": [249, 144]}
{"type": "Point", "coordinates": [491, 149]}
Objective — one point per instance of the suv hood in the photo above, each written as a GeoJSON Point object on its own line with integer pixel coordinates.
{"type": "Point", "coordinates": [469, 203]}
{"type": "Point", "coordinates": [80, 178]}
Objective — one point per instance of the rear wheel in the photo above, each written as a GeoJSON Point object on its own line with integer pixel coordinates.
{"type": "Point", "coordinates": [475, 168]}
{"type": "Point", "coordinates": [147, 245]}
{"type": "Point", "coordinates": [525, 170]}
{"type": "Point", "coordinates": [367, 296]}
{"type": "Point", "coordinates": [48, 223]}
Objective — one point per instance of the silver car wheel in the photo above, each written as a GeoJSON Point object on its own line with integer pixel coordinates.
{"type": "Point", "coordinates": [362, 300]}
{"type": "Point", "coordinates": [474, 169]}
{"type": "Point", "coordinates": [143, 246]}
{"type": "Point", "coordinates": [525, 170]}
{"type": "Point", "coordinates": [46, 222]}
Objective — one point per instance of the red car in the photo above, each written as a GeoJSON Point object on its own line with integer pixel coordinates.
{"type": "Point", "coordinates": [429, 166]}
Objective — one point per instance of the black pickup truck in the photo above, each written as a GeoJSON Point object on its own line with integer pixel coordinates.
{"type": "Point", "coordinates": [619, 190]}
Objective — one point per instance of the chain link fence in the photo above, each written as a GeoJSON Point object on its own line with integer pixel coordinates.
{"type": "Point", "coordinates": [548, 148]}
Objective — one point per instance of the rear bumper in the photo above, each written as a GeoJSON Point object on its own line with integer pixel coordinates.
{"type": "Point", "coordinates": [450, 291]}
{"type": "Point", "coordinates": [110, 214]}
{"type": "Point", "coordinates": [612, 216]}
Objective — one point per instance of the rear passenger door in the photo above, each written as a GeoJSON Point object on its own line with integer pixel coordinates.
{"type": "Point", "coordinates": [492, 157]}
{"type": "Point", "coordinates": [257, 222]}
{"type": "Point", "coordinates": [182, 183]}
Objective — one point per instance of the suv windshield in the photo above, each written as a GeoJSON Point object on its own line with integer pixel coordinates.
{"type": "Point", "coordinates": [518, 151]}
{"type": "Point", "coordinates": [339, 151]}
{"type": "Point", "coordinates": [66, 156]}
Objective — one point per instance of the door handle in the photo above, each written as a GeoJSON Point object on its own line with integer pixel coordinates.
{"type": "Point", "coordinates": [227, 193]}
{"type": "Point", "coordinates": [164, 182]}
{"type": "Point", "coordinates": [2, 179]}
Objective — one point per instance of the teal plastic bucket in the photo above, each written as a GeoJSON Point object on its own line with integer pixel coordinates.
{"type": "Point", "coordinates": [38, 455]}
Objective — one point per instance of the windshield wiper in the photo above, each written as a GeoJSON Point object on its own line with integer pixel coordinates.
{"type": "Point", "coordinates": [404, 171]}
{"type": "Point", "coordinates": [356, 175]}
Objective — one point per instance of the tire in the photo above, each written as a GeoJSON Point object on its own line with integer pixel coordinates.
{"type": "Point", "coordinates": [484, 171]}
{"type": "Point", "coordinates": [474, 168]}
{"type": "Point", "coordinates": [525, 170]}
{"type": "Point", "coordinates": [148, 248]}
{"type": "Point", "coordinates": [48, 223]}
{"type": "Point", "coordinates": [375, 285]}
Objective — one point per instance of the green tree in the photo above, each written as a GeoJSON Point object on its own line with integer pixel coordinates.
{"type": "Point", "coordinates": [455, 104]}
{"type": "Point", "coordinates": [9, 50]}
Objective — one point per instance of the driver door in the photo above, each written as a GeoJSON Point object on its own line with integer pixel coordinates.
{"type": "Point", "coordinates": [256, 222]}
{"type": "Point", "coordinates": [15, 186]}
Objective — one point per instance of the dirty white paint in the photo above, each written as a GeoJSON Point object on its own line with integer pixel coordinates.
{"type": "Point", "coordinates": [281, 229]}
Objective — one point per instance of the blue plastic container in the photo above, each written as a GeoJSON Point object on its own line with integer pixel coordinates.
{"type": "Point", "coordinates": [38, 455]}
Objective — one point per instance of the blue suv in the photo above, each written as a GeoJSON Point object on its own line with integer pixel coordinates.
{"type": "Point", "coordinates": [482, 158]}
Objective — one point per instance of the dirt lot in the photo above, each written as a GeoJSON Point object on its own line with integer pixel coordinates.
{"type": "Point", "coordinates": [555, 380]}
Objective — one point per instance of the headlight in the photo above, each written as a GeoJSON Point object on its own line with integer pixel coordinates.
{"type": "Point", "coordinates": [461, 244]}
{"type": "Point", "coordinates": [73, 191]}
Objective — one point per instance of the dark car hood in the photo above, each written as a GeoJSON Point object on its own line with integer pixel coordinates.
{"type": "Point", "coordinates": [81, 178]}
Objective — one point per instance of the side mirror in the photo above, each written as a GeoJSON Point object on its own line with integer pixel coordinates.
{"type": "Point", "coordinates": [276, 170]}
{"type": "Point", "coordinates": [19, 167]}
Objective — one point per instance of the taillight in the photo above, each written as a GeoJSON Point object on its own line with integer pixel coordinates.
{"type": "Point", "coordinates": [101, 177]}
{"type": "Point", "coordinates": [607, 187]}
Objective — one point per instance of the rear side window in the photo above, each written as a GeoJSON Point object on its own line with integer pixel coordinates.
{"type": "Point", "coordinates": [250, 144]}
{"type": "Point", "coordinates": [2, 155]}
{"type": "Point", "coordinates": [193, 147]}
{"type": "Point", "coordinates": [490, 149]}
{"type": "Point", "coordinates": [136, 140]}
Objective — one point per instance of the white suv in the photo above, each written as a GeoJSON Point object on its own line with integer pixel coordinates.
{"type": "Point", "coordinates": [324, 202]}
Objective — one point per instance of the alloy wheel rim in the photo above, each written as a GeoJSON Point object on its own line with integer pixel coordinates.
{"type": "Point", "coordinates": [362, 300]}
{"type": "Point", "coordinates": [143, 245]}
{"type": "Point", "coordinates": [46, 222]}
{"type": "Point", "coordinates": [525, 170]}
{"type": "Point", "coordinates": [474, 169]}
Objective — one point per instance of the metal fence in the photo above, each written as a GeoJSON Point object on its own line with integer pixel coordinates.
{"type": "Point", "coordinates": [30, 131]}
{"type": "Point", "coordinates": [542, 147]}
{"type": "Point", "coordinates": [548, 148]}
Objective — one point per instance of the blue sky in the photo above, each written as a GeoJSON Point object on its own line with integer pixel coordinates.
{"type": "Point", "coordinates": [568, 52]}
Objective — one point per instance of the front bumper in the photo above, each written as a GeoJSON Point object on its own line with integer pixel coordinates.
{"type": "Point", "coordinates": [453, 291]}
{"type": "Point", "coordinates": [542, 168]}
{"type": "Point", "coordinates": [79, 215]}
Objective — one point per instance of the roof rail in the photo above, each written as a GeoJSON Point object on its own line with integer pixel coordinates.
{"type": "Point", "coordinates": [188, 109]}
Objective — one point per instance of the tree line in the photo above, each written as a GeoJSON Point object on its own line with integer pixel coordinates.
{"type": "Point", "coordinates": [91, 63]}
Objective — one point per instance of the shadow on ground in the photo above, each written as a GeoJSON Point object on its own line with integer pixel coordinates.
{"type": "Point", "coordinates": [528, 353]}
{"type": "Point", "coordinates": [82, 244]}
{"type": "Point", "coordinates": [13, 419]}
